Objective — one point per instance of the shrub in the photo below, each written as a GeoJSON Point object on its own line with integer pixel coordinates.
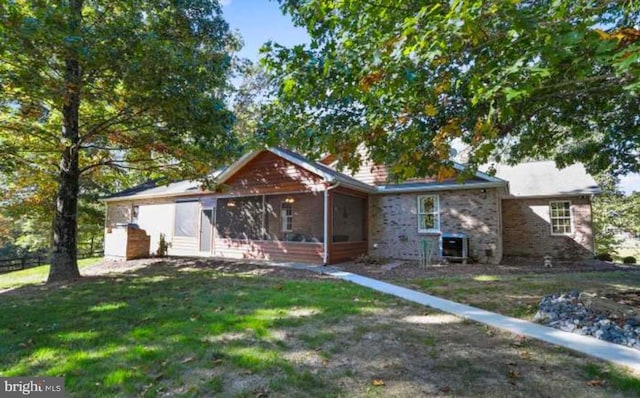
{"type": "Point", "coordinates": [629, 260]}
{"type": "Point", "coordinates": [163, 246]}
{"type": "Point", "coordinates": [366, 259]}
{"type": "Point", "coordinates": [604, 257]}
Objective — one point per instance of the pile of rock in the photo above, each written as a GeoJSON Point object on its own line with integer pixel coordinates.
{"type": "Point", "coordinates": [585, 314]}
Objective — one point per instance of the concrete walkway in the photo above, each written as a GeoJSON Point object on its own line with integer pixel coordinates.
{"type": "Point", "coordinates": [613, 353]}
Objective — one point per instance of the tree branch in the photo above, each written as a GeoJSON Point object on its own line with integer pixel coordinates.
{"type": "Point", "coordinates": [121, 117]}
{"type": "Point", "coordinates": [127, 165]}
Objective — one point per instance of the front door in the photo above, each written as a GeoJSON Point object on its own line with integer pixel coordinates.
{"type": "Point", "coordinates": [206, 228]}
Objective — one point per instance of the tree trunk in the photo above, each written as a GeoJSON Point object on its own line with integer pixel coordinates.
{"type": "Point", "coordinates": [64, 262]}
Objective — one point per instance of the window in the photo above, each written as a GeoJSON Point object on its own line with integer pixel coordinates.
{"type": "Point", "coordinates": [560, 215]}
{"type": "Point", "coordinates": [186, 221]}
{"type": "Point", "coordinates": [135, 210]}
{"type": "Point", "coordinates": [286, 217]}
{"type": "Point", "coordinates": [428, 213]}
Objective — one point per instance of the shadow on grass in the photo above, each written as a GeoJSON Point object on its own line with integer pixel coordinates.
{"type": "Point", "coordinates": [152, 330]}
{"type": "Point", "coordinates": [177, 329]}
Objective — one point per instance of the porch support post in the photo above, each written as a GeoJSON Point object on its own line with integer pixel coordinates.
{"type": "Point", "coordinates": [328, 222]}
{"type": "Point", "coordinates": [263, 232]}
{"type": "Point", "coordinates": [325, 257]}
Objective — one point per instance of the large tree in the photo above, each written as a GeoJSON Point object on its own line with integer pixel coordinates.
{"type": "Point", "coordinates": [93, 88]}
{"type": "Point", "coordinates": [614, 213]}
{"type": "Point", "coordinates": [510, 79]}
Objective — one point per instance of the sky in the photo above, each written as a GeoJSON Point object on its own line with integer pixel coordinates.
{"type": "Point", "coordinates": [259, 21]}
{"type": "Point", "coordinates": [630, 183]}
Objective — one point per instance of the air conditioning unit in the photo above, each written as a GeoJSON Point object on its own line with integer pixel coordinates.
{"type": "Point", "coordinates": [455, 246]}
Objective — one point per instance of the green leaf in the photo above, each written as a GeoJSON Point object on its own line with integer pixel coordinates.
{"type": "Point", "coordinates": [513, 94]}
{"type": "Point", "coordinates": [538, 74]}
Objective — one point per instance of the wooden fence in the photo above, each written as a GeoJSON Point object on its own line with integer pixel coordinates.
{"type": "Point", "coordinates": [35, 260]}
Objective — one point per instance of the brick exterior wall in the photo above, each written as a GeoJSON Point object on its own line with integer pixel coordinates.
{"type": "Point", "coordinates": [393, 227]}
{"type": "Point", "coordinates": [308, 216]}
{"type": "Point", "coordinates": [527, 229]}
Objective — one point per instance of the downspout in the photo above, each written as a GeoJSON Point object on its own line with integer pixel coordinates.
{"type": "Point", "coordinates": [593, 235]}
{"type": "Point", "coordinates": [263, 231]}
{"type": "Point", "coordinates": [325, 256]}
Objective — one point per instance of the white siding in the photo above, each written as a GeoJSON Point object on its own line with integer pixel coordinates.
{"type": "Point", "coordinates": [155, 219]}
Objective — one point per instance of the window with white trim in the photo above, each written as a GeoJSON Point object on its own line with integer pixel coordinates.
{"type": "Point", "coordinates": [286, 217]}
{"type": "Point", "coordinates": [560, 217]}
{"type": "Point", "coordinates": [428, 213]}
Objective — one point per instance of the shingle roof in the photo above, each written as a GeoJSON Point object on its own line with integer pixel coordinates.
{"type": "Point", "coordinates": [156, 189]}
{"type": "Point", "coordinates": [530, 179]}
{"type": "Point", "coordinates": [151, 189]}
{"type": "Point", "coordinates": [543, 178]}
{"type": "Point", "coordinates": [190, 186]}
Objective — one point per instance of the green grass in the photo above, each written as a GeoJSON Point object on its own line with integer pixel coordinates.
{"type": "Point", "coordinates": [36, 275]}
{"type": "Point", "coordinates": [166, 330]}
{"type": "Point", "coordinates": [615, 377]}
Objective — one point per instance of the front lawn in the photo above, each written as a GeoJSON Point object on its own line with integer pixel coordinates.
{"type": "Point", "coordinates": [179, 328]}
{"type": "Point", "coordinates": [165, 330]}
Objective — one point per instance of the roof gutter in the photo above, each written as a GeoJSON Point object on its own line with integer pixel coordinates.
{"type": "Point", "coordinates": [590, 194]}
{"type": "Point", "coordinates": [153, 196]}
{"type": "Point", "coordinates": [440, 187]}
{"type": "Point", "coordinates": [364, 187]}
{"type": "Point", "coordinates": [380, 190]}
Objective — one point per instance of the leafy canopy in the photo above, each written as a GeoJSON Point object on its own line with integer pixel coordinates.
{"type": "Point", "coordinates": [613, 213]}
{"type": "Point", "coordinates": [510, 79]}
{"type": "Point", "coordinates": [94, 89]}
{"type": "Point", "coordinates": [153, 88]}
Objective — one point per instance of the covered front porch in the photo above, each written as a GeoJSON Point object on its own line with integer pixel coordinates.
{"type": "Point", "coordinates": [275, 205]}
{"type": "Point", "coordinates": [322, 227]}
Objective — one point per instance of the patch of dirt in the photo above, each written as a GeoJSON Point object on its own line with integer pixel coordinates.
{"type": "Point", "coordinates": [106, 267]}
{"type": "Point", "coordinates": [407, 351]}
{"type": "Point", "coordinates": [242, 267]}
{"type": "Point", "coordinates": [111, 267]}
{"type": "Point", "coordinates": [629, 298]}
